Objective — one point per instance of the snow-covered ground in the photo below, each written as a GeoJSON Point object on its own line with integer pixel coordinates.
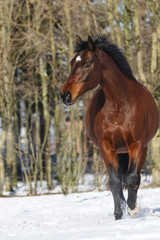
{"type": "Point", "coordinates": [23, 189]}
{"type": "Point", "coordinates": [79, 216]}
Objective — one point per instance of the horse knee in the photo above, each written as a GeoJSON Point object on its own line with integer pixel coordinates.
{"type": "Point", "coordinates": [114, 180]}
{"type": "Point", "coordinates": [131, 180]}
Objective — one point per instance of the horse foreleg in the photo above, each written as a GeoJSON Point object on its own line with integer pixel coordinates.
{"type": "Point", "coordinates": [116, 189]}
{"type": "Point", "coordinates": [115, 181]}
{"type": "Point", "coordinates": [131, 182]}
{"type": "Point", "coordinates": [138, 156]}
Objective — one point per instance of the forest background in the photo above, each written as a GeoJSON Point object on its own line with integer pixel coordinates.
{"type": "Point", "coordinates": [40, 139]}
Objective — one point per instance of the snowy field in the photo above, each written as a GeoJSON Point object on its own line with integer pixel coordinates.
{"type": "Point", "coordinates": [87, 216]}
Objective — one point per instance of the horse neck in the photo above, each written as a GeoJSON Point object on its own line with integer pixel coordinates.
{"type": "Point", "coordinates": [113, 82]}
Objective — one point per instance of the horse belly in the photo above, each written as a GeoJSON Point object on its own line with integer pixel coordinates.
{"type": "Point", "coordinates": [146, 121]}
{"type": "Point", "coordinates": [152, 120]}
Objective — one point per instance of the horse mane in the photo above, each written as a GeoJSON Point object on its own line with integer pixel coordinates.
{"type": "Point", "coordinates": [101, 41]}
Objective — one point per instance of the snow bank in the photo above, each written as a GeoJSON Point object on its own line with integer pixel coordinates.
{"type": "Point", "coordinates": [23, 189]}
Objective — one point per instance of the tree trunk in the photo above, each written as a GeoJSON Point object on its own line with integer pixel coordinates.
{"type": "Point", "coordinates": [139, 45]}
{"type": "Point", "coordinates": [46, 117]}
{"type": "Point", "coordinates": [155, 146]}
{"type": "Point", "coordinates": [2, 169]}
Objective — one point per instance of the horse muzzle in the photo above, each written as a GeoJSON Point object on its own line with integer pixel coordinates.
{"type": "Point", "coordinates": [66, 97]}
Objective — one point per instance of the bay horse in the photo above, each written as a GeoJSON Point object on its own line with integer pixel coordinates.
{"type": "Point", "coordinates": [122, 116]}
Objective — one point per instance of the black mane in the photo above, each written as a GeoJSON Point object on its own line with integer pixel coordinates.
{"type": "Point", "coordinates": [105, 45]}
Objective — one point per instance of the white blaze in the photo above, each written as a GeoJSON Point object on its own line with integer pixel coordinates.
{"type": "Point", "coordinates": [78, 59]}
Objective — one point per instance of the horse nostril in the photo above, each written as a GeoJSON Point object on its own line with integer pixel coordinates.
{"type": "Point", "coordinates": [67, 97]}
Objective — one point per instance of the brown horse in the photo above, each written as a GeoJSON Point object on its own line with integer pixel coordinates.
{"type": "Point", "coordinates": [122, 116]}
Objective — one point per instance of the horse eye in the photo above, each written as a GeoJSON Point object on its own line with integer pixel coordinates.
{"type": "Point", "coordinates": [87, 65]}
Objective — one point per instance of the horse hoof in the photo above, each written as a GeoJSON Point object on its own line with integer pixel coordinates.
{"type": "Point", "coordinates": [133, 212]}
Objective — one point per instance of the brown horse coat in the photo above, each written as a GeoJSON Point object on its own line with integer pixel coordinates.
{"type": "Point", "coordinates": [122, 116]}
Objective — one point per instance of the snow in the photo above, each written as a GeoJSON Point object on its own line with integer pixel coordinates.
{"type": "Point", "coordinates": [23, 188]}
{"type": "Point", "coordinates": [78, 216]}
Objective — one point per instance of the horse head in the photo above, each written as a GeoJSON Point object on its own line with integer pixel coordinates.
{"type": "Point", "coordinates": [85, 71]}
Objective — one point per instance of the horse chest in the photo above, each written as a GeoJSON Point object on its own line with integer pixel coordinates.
{"type": "Point", "coordinates": [109, 127]}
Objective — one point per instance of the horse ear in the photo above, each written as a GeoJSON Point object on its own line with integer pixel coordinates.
{"type": "Point", "coordinates": [78, 40]}
{"type": "Point", "coordinates": [91, 44]}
